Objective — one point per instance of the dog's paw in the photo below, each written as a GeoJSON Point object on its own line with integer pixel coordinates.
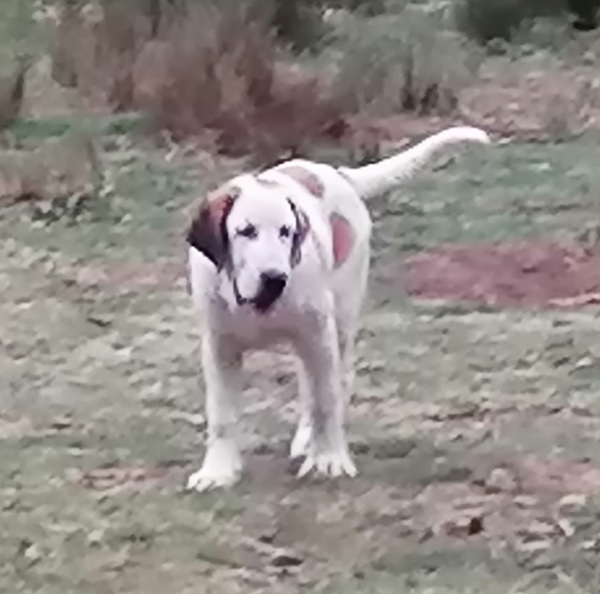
{"type": "Point", "coordinates": [222, 467]}
{"type": "Point", "coordinates": [301, 441]}
{"type": "Point", "coordinates": [332, 462]}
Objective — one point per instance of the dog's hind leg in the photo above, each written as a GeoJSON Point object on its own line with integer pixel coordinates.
{"type": "Point", "coordinates": [327, 450]}
{"type": "Point", "coordinates": [346, 340]}
{"type": "Point", "coordinates": [348, 319]}
{"type": "Point", "coordinates": [222, 465]}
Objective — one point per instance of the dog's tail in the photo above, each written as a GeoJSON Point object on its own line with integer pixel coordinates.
{"type": "Point", "coordinates": [384, 175]}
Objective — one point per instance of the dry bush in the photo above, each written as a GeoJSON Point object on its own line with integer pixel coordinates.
{"type": "Point", "coordinates": [405, 62]}
{"type": "Point", "coordinates": [485, 20]}
{"type": "Point", "coordinates": [296, 23]}
{"type": "Point", "coordinates": [95, 47]}
{"type": "Point", "coordinates": [12, 90]}
{"type": "Point", "coordinates": [565, 115]}
{"type": "Point", "coordinates": [207, 69]}
{"type": "Point", "coordinates": [229, 79]}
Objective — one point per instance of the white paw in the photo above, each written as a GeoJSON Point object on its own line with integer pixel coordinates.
{"type": "Point", "coordinates": [222, 467]}
{"type": "Point", "coordinates": [301, 441]}
{"type": "Point", "coordinates": [328, 461]}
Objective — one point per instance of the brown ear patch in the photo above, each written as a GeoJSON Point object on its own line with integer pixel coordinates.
{"type": "Point", "coordinates": [305, 178]}
{"type": "Point", "coordinates": [302, 229]}
{"type": "Point", "coordinates": [207, 232]}
{"type": "Point", "coordinates": [219, 202]}
{"type": "Point", "coordinates": [343, 238]}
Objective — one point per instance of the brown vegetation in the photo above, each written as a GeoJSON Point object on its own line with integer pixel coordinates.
{"type": "Point", "coordinates": [11, 92]}
{"type": "Point", "coordinates": [210, 71]}
{"type": "Point", "coordinates": [226, 72]}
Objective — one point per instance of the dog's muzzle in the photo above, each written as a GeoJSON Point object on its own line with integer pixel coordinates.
{"type": "Point", "coordinates": [272, 284]}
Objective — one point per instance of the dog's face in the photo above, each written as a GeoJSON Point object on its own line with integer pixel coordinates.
{"type": "Point", "coordinates": [255, 235]}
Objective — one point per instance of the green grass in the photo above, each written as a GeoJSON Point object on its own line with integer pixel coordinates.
{"type": "Point", "coordinates": [99, 374]}
{"type": "Point", "coordinates": [509, 191]}
{"type": "Point", "coordinates": [26, 131]}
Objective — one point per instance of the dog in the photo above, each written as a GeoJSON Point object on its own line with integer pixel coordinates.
{"type": "Point", "coordinates": [283, 256]}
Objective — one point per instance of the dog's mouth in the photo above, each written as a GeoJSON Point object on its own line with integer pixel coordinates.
{"type": "Point", "coordinates": [264, 303]}
{"type": "Point", "coordinates": [271, 289]}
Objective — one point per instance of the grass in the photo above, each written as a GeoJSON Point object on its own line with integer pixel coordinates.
{"type": "Point", "coordinates": [507, 195]}
{"type": "Point", "coordinates": [404, 62]}
{"type": "Point", "coordinates": [101, 407]}
{"type": "Point", "coordinates": [42, 128]}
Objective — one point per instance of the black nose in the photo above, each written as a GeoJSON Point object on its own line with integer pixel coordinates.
{"type": "Point", "coordinates": [272, 284]}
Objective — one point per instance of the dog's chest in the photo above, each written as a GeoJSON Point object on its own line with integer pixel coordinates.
{"type": "Point", "coordinates": [255, 330]}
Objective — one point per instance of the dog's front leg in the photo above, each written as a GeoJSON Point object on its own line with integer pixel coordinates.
{"type": "Point", "coordinates": [222, 466]}
{"type": "Point", "coordinates": [327, 451]}
{"type": "Point", "coordinates": [303, 435]}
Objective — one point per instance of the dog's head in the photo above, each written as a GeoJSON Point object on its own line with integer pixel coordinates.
{"type": "Point", "coordinates": [254, 232]}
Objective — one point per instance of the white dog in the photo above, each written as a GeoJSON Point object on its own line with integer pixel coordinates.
{"type": "Point", "coordinates": [283, 256]}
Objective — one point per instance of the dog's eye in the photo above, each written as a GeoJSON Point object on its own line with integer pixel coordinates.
{"type": "Point", "coordinates": [285, 231]}
{"type": "Point", "coordinates": [248, 231]}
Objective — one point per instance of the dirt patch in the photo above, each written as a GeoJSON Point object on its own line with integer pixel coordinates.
{"type": "Point", "coordinates": [520, 273]}
{"type": "Point", "coordinates": [559, 476]}
{"type": "Point", "coordinates": [136, 275]}
{"type": "Point", "coordinates": [113, 479]}
{"type": "Point", "coordinates": [537, 102]}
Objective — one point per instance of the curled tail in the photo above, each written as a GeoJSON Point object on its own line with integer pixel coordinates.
{"type": "Point", "coordinates": [376, 178]}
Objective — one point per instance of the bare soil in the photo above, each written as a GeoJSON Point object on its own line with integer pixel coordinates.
{"type": "Point", "coordinates": [519, 273]}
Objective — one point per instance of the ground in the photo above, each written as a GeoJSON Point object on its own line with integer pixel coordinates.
{"type": "Point", "coordinates": [475, 420]}
{"type": "Point", "coordinates": [474, 426]}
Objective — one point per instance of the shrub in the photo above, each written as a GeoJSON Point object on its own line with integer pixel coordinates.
{"type": "Point", "coordinates": [484, 20]}
{"type": "Point", "coordinates": [206, 68]}
{"type": "Point", "coordinates": [406, 62]}
{"type": "Point", "coordinates": [585, 12]}
{"type": "Point", "coordinates": [297, 23]}
{"type": "Point", "coordinates": [232, 79]}
{"type": "Point", "coordinates": [95, 47]}
{"type": "Point", "coordinates": [12, 88]}
{"type": "Point", "coordinates": [365, 7]}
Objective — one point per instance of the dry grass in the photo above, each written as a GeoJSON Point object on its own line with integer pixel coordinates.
{"type": "Point", "coordinates": [59, 174]}
{"type": "Point", "coordinates": [535, 98]}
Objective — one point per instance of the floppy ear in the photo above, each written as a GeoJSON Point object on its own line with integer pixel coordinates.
{"type": "Point", "coordinates": [207, 231]}
{"type": "Point", "coordinates": [300, 233]}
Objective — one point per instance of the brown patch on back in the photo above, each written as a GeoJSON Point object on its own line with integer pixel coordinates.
{"type": "Point", "coordinates": [305, 178]}
{"type": "Point", "coordinates": [343, 238]}
{"type": "Point", "coordinates": [267, 183]}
